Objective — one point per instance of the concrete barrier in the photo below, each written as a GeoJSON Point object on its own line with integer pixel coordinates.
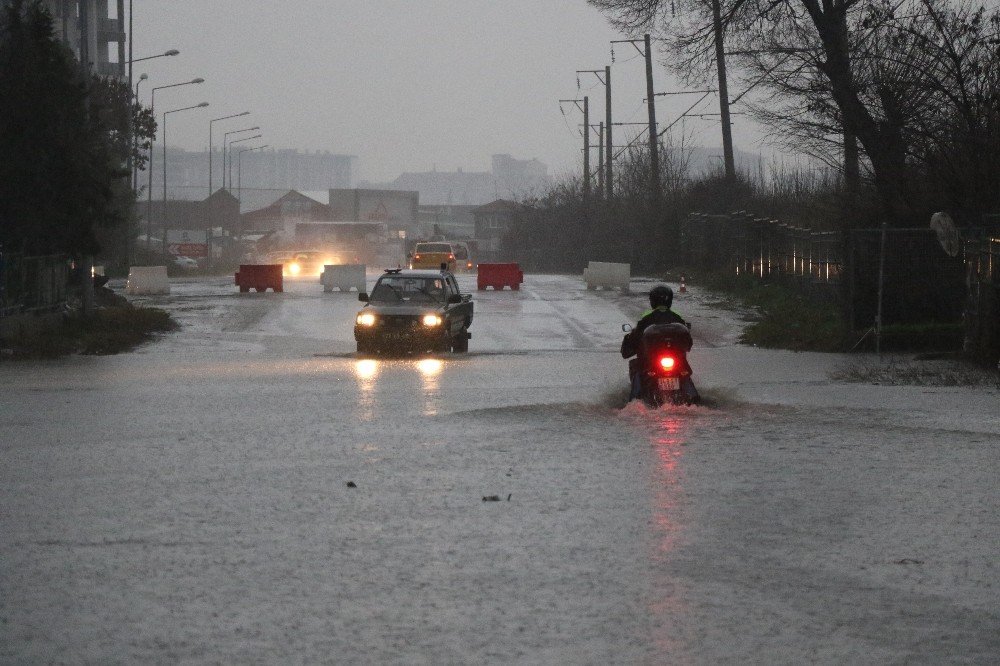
{"type": "Point", "coordinates": [260, 277]}
{"type": "Point", "coordinates": [607, 275]}
{"type": "Point", "coordinates": [147, 280]}
{"type": "Point", "coordinates": [499, 276]}
{"type": "Point", "coordinates": [343, 277]}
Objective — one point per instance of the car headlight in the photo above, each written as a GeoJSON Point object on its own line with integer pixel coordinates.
{"type": "Point", "coordinates": [294, 269]}
{"type": "Point", "coordinates": [432, 320]}
{"type": "Point", "coordinates": [366, 319]}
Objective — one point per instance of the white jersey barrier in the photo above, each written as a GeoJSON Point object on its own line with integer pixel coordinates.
{"type": "Point", "coordinates": [607, 275]}
{"type": "Point", "coordinates": [343, 277]}
{"type": "Point", "coordinates": [147, 280]}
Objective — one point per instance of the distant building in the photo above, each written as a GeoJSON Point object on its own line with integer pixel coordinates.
{"type": "Point", "coordinates": [493, 222]}
{"type": "Point", "coordinates": [284, 213]}
{"type": "Point", "coordinates": [519, 177]}
{"type": "Point", "coordinates": [93, 32]}
{"type": "Point", "coordinates": [285, 169]}
{"type": "Point", "coordinates": [397, 209]}
{"type": "Point", "coordinates": [450, 222]}
{"type": "Point", "coordinates": [510, 178]}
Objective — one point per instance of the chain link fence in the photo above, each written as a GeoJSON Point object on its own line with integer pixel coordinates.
{"type": "Point", "coordinates": [897, 278]}
{"type": "Point", "coordinates": [747, 246]}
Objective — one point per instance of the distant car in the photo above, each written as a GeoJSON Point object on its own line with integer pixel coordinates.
{"type": "Point", "coordinates": [432, 255]}
{"type": "Point", "coordinates": [185, 263]}
{"type": "Point", "coordinates": [463, 258]}
{"type": "Point", "coordinates": [414, 311]}
{"type": "Point", "coordinates": [308, 263]}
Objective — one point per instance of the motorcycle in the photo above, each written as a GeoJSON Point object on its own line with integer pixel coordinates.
{"type": "Point", "coordinates": [661, 364]}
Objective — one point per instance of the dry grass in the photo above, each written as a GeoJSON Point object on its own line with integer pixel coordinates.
{"type": "Point", "coordinates": [913, 372]}
{"type": "Point", "coordinates": [111, 330]}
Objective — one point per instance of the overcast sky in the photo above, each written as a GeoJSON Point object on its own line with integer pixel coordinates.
{"type": "Point", "coordinates": [404, 85]}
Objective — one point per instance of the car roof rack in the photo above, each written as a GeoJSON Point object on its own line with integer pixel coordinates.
{"type": "Point", "coordinates": [392, 271]}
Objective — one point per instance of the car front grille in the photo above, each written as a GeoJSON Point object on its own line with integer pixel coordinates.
{"type": "Point", "coordinates": [400, 322]}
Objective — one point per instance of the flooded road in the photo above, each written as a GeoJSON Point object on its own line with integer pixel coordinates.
{"type": "Point", "coordinates": [248, 490]}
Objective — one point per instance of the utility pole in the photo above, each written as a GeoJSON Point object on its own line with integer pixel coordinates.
{"type": "Point", "coordinates": [610, 188]}
{"type": "Point", "coordinates": [720, 61]}
{"type": "Point", "coordinates": [600, 161]}
{"type": "Point", "coordinates": [654, 153]}
{"type": "Point", "coordinates": [606, 80]}
{"type": "Point", "coordinates": [585, 109]}
{"type": "Point", "coordinates": [654, 156]}
{"type": "Point", "coordinates": [586, 149]}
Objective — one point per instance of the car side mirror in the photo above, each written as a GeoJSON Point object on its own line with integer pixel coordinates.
{"type": "Point", "coordinates": [454, 298]}
{"type": "Point", "coordinates": [363, 296]}
{"type": "Point", "coordinates": [626, 328]}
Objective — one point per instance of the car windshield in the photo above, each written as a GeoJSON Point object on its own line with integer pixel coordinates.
{"type": "Point", "coordinates": [400, 289]}
{"type": "Point", "coordinates": [434, 247]}
{"type": "Point", "coordinates": [461, 252]}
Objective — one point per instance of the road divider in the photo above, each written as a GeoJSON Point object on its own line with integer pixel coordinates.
{"type": "Point", "coordinates": [607, 275]}
{"type": "Point", "coordinates": [147, 280]}
{"type": "Point", "coordinates": [260, 277]}
{"type": "Point", "coordinates": [499, 276]}
{"type": "Point", "coordinates": [343, 277]}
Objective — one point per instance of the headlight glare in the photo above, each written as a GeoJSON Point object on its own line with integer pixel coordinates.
{"type": "Point", "coordinates": [366, 319]}
{"type": "Point", "coordinates": [432, 320]}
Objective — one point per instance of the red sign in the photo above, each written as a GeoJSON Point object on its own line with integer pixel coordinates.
{"type": "Point", "coordinates": [193, 250]}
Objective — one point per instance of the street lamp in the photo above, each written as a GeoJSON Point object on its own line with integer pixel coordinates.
{"type": "Point", "coordinates": [225, 139]}
{"type": "Point", "coordinates": [149, 185]}
{"type": "Point", "coordinates": [235, 115]}
{"type": "Point", "coordinates": [165, 113]}
{"type": "Point", "coordinates": [239, 184]}
{"type": "Point", "coordinates": [246, 138]}
{"type": "Point", "coordinates": [171, 52]}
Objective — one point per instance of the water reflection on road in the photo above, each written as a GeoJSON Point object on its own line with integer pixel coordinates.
{"type": "Point", "coordinates": [668, 431]}
{"type": "Point", "coordinates": [367, 372]}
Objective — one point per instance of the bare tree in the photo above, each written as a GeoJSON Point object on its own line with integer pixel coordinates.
{"type": "Point", "coordinates": [895, 75]}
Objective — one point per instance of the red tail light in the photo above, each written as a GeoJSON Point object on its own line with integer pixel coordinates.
{"type": "Point", "coordinates": [451, 256]}
{"type": "Point", "coordinates": [668, 362]}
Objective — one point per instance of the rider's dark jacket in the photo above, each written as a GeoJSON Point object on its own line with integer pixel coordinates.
{"type": "Point", "coordinates": [658, 315]}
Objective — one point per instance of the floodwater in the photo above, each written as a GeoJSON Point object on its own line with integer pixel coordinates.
{"type": "Point", "coordinates": [248, 490]}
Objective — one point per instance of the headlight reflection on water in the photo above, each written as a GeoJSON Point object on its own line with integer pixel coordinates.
{"type": "Point", "coordinates": [430, 367]}
{"type": "Point", "coordinates": [366, 368]}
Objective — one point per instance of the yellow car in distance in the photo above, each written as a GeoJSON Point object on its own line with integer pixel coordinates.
{"type": "Point", "coordinates": [432, 255]}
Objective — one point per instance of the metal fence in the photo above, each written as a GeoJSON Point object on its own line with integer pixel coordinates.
{"type": "Point", "coordinates": [918, 281]}
{"type": "Point", "coordinates": [32, 284]}
{"type": "Point", "coordinates": [743, 245]}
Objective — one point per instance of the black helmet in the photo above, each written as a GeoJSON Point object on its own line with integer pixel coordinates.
{"type": "Point", "coordinates": [659, 295]}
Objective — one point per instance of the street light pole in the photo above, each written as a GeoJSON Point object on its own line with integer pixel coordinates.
{"type": "Point", "coordinates": [246, 138]}
{"type": "Point", "coordinates": [214, 120]}
{"type": "Point", "coordinates": [171, 52]}
{"type": "Point", "coordinates": [239, 185]}
{"type": "Point", "coordinates": [149, 184]}
{"type": "Point", "coordinates": [165, 113]}
{"type": "Point", "coordinates": [225, 152]}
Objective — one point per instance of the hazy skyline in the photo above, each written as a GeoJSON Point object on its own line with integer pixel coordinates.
{"type": "Point", "coordinates": [403, 86]}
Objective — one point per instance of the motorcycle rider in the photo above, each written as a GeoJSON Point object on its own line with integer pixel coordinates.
{"type": "Point", "coordinates": [661, 297]}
